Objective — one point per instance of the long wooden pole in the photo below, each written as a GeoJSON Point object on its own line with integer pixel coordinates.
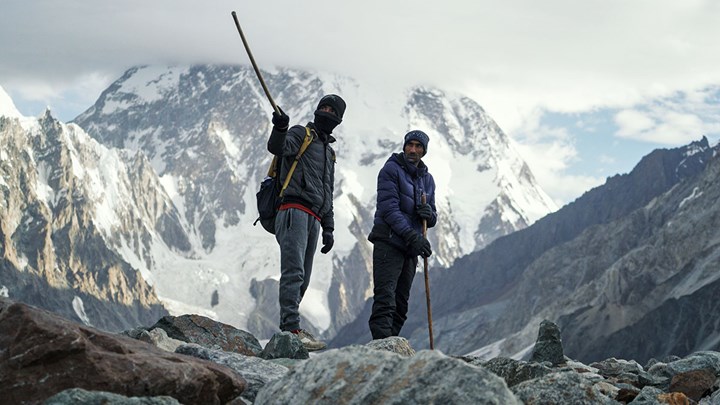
{"type": "Point", "coordinates": [427, 282]}
{"type": "Point", "coordinates": [254, 65]}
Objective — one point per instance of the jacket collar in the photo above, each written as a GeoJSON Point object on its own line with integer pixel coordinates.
{"type": "Point", "coordinates": [415, 171]}
{"type": "Point", "coordinates": [325, 138]}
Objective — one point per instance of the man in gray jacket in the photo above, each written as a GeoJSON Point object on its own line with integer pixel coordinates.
{"type": "Point", "coordinates": [306, 210]}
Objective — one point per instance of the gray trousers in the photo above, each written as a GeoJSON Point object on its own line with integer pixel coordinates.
{"type": "Point", "coordinates": [297, 234]}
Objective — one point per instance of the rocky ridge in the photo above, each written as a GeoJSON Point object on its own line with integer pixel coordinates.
{"type": "Point", "coordinates": [38, 344]}
{"type": "Point", "coordinates": [62, 225]}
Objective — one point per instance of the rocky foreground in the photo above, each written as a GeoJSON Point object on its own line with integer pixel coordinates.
{"type": "Point", "coordinates": [194, 360]}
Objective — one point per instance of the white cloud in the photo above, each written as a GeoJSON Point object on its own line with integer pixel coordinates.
{"type": "Point", "coordinates": [513, 56]}
{"type": "Point", "coordinates": [675, 120]}
{"type": "Point", "coordinates": [550, 151]}
{"type": "Point", "coordinates": [631, 122]}
{"type": "Point", "coordinates": [549, 161]}
{"type": "Point", "coordinates": [517, 57]}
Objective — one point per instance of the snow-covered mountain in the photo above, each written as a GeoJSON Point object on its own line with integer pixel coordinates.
{"type": "Point", "coordinates": [204, 130]}
{"type": "Point", "coordinates": [68, 207]}
{"type": "Point", "coordinates": [7, 106]}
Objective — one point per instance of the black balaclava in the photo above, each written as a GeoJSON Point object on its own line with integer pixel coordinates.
{"type": "Point", "coordinates": [326, 121]}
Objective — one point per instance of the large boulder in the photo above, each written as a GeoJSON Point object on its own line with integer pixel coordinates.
{"type": "Point", "coordinates": [209, 333]}
{"type": "Point", "coordinates": [42, 354]}
{"type": "Point", "coordinates": [361, 375]}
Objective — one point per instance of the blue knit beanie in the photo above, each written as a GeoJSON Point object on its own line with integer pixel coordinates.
{"type": "Point", "coordinates": [417, 135]}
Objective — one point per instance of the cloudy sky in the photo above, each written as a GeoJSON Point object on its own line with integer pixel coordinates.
{"type": "Point", "coordinates": [585, 87]}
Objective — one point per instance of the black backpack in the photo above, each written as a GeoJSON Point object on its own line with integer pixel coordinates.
{"type": "Point", "coordinates": [270, 194]}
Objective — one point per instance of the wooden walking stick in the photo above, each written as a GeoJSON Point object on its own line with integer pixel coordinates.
{"type": "Point", "coordinates": [427, 280]}
{"type": "Point", "coordinates": [254, 65]}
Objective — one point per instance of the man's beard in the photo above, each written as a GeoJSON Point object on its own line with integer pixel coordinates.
{"type": "Point", "coordinates": [413, 158]}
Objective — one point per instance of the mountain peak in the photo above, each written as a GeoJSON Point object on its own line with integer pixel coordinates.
{"type": "Point", "coordinates": [7, 106]}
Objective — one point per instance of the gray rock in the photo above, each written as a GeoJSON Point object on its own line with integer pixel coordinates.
{"type": "Point", "coordinates": [613, 367]}
{"type": "Point", "coordinates": [360, 375]}
{"type": "Point", "coordinates": [696, 361]}
{"type": "Point", "coordinates": [548, 346]}
{"type": "Point", "coordinates": [284, 345]}
{"type": "Point", "coordinates": [209, 333]}
{"type": "Point", "coordinates": [135, 333]}
{"type": "Point", "coordinates": [648, 396]}
{"type": "Point", "coordinates": [289, 363]}
{"type": "Point", "coordinates": [561, 388]}
{"type": "Point", "coordinates": [513, 371]}
{"type": "Point", "coordinates": [159, 338]}
{"type": "Point", "coordinates": [395, 344]}
{"type": "Point", "coordinates": [76, 396]}
{"type": "Point", "coordinates": [256, 371]}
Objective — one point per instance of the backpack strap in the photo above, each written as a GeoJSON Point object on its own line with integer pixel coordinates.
{"type": "Point", "coordinates": [303, 147]}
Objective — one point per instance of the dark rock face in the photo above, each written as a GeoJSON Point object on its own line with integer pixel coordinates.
{"type": "Point", "coordinates": [208, 333]}
{"type": "Point", "coordinates": [284, 345]}
{"type": "Point", "coordinates": [548, 346]}
{"type": "Point", "coordinates": [43, 354]}
{"type": "Point", "coordinates": [684, 316]}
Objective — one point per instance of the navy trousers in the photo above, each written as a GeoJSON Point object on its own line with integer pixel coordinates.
{"type": "Point", "coordinates": [393, 273]}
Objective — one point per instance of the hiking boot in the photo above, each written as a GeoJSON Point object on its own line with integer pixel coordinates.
{"type": "Point", "coordinates": [309, 342]}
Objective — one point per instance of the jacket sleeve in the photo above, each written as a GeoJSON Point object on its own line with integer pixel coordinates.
{"type": "Point", "coordinates": [388, 200]}
{"type": "Point", "coordinates": [328, 220]}
{"type": "Point", "coordinates": [431, 200]}
{"type": "Point", "coordinates": [286, 143]}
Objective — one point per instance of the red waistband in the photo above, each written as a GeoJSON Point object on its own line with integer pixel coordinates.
{"type": "Point", "coordinates": [299, 207]}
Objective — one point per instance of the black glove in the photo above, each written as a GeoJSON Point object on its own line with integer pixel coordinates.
{"type": "Point", "coordinates": [328, 241]}
{"type": "Point", "coordinates": [280, 120]}
{"type": "Point", "coordinates": [419, 245]}
{"type": "Point", "coordinates": [424, 211]}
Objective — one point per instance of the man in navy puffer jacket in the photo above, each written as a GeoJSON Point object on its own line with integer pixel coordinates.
{"type": "Point", "coordinates": [397, 232]}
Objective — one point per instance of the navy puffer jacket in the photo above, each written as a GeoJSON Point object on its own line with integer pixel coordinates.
{"type": "Point", "coordinates": [399, 191]}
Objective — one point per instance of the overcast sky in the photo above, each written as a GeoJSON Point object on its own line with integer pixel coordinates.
{"type": "Point", "coordinates": [586, 87]}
